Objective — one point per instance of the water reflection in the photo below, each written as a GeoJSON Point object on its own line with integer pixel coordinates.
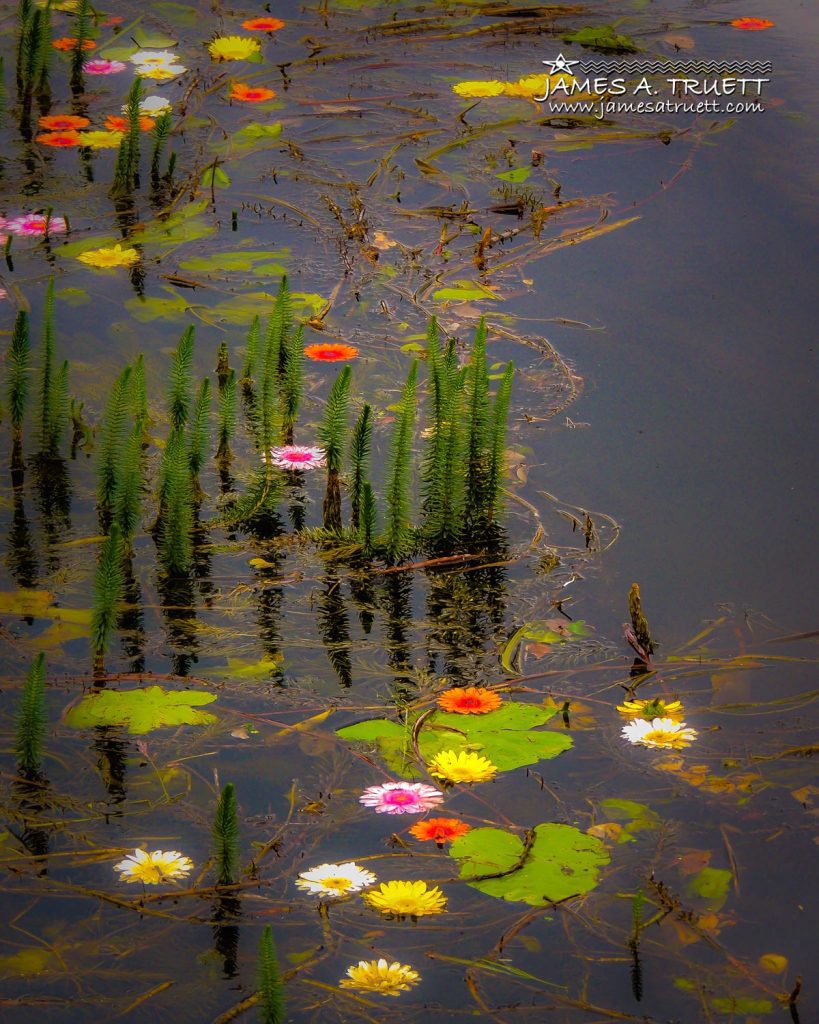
{"type": "Point", "coordinates": [52, 491]}
{"type": "Point", "coordinates": [334, 627]}
{"type": "Point", "coordinates": [227, 912]}
{"type": "Point", "coordinates": [21, 556]}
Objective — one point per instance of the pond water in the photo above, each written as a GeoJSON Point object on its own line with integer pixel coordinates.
{"type": "Point", "coordinates": [651, 278]}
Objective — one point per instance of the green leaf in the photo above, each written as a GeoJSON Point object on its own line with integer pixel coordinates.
{"type": "Point", "coordinates": [255, 136]}
{"type": "Point", "coordinates": [183, 226]}
{"type": "Point", "coordinates": [516, 176]}
{"type": "Point", "coordinates": [506, 736]}
{"type": "Point", "coordinates": [153, 307]}
{"type": "Point", "coordinates": [215, 177]}
{"type": "Point", "coordinates": [711, 883]}
{"type": "Point", "coordinates": [464, 291]}
{"type": "Point", "coordinates": [603, 38]}
{"type": "Point", "coordinates": [151, 40]}
{"type": "Point", "coordinates": [177, 14]}
{"type": "Point", "coordinates": [742, 1006]}
{"type": "Point", "coordinates": [141, 710]}
{"type": "Point", "coordinates": [561, 862]}
{"type": "Point", "coordinates": [254, 262]}
{"type": "Point", "coordinates": [637, 817]}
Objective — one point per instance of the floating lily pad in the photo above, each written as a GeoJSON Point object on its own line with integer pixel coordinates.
{"type": "Point", "coordinates": [603, 38]}
{"type": "Point", "coordinates": [516, 176]}
{"type": "Point", "coordinates": [253, 262]}
{"type": "Point", "coordinates": [561, 862]}
{"type": "Point", "coordinates": [141, 710]}
{"type": "Point", "coordinates": [711, 884]}
{"type": "Point", "coordinates": [507, 737]}
{"type": "Point", "coordinates": [464, 291]}
{"type": "Point", "coordinates": [635, 816]}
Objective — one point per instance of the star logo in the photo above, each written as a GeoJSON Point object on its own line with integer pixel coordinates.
{"type": "Point", "coordinates": [560, 65]}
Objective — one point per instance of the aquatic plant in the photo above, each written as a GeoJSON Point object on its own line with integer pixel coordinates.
{"type": "Point", "coordinates": [368, 520]}
{"type": "Point", "coordinates": [251, 353]}
{"type": "Point", "coordinates": [227, 416]}
{"type": "Point", "coordinates": [82, 42]}
{"type": "Point", "coordinates": [126, 169]}
{"type": "Point", "coordinates": [406, 899]}
{"type": "Point", "coordinates": [139, 391]}
{"type": "Point", "coordinates": [333, 881]}
{"type": "Point", "coordinates": [401, 798]}
{"type": "Point", "coordinates": [477, 439]}
{"type": "Point", "coordinates": [18, 357]}
{"type": "Point", "coordinates": [661, 732]}
{"type": "Point", "coordinates": [378, 976]}
{"type": "Point", "coordinates": [31, 718]}
{"type": "Point", "coordinates": [470, 700]}
{"type": "Point", "coordinates": [181, 380]}
{"type": "Point", "coordinates": [233, 48]}
{"type": "Point", "coordinates": [639, 623]}
{"type": "Point", "coordinates": [33, 52]}
{"type": "Point", "coordinates": [292, 380]}
{"type": "Point", "coordinates": [155, 867]}
{"type": "Point", "coordinates": [331, 433]}
{"type": "Point", "coordinates": [176, 519]}
{"type": "Point", "coordinates": [128, 486]}
{"type": "Point", "coordinates": [398, 528]}
{"type": "Point", "coordinates": [441, 473]}
{"type": "Point", "coordinates": [462, 766]}
{"type": "Point", "coordinates": [270, 981]}
{"type": "Point", "coordinates": [497, 442]}
{"type": "Point", "coordinates": [112, 437]}
{"type": "Point", "coordinates": [199, 432]}
{"type": "Point", "coordinates": [360, 443]}
{"type": "Point", "coordinates": [109, 580]}
{"type": "Point", "coordinates": [53, 384]}
{"type": "Point", "coordinates": [160, 134]}
{"type": "Point", "coordinates": [226, 836]}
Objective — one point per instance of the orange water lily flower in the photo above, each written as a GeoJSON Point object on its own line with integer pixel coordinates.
{"type": "Point", "coordinates": [439, 830]}
{"type": "Point", "coordinates": [115, 123]}
{"type": "Point", "coordinates": [63, 122]}
{"type": "Point", "coordinates": [470, 700]}
{"type": "Point", "coordinates": [63, 140]}
{"type": "Point", "coordinates": [249, 93]}
{"type": "Point", "coordinates": [263, 24]}
{"type": "Point", "coordinates": [752, 24]}
{"type": "Point", "coordinates": [67, 43]}
{"type": "Point", "coordinates": [330, 351]}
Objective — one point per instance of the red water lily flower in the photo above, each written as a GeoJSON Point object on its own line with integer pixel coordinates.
{"type": "Point", "coordinates": [63, 122]}
{"type": "Point", "coordinates": [330, 351]}
{"type": "Point", "coordinates": [470, 700]}
{"type": "Point", "coordinates": [67, 43]}
{"type": "Point", "coordinates": [752, 24]}
{"type": "Point", "coordinates": [263, 24]}
{"type": "Point", "coordinates": [63, 140]}
{"type": "Point", "coordinates": [439, 830]}
{"type": "Point", "coordinates": [249, 93]}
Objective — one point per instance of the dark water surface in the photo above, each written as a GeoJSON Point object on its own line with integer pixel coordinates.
{"type": "Point", "coordinates": [666, 383]}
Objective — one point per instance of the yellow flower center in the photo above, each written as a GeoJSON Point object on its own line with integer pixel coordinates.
{"type": "Point", "coordinates": [340, 883]}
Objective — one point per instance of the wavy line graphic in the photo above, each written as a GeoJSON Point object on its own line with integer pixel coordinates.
{"type": "Point", "coordinates": [693, 67]}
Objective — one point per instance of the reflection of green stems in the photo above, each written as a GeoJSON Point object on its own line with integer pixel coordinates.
{"type": "Point", "coordinates": [108, 583]}
{"type": "Point", "coordinates": [271, 985]}
{"type": "Point", "coordinates": [53, 384]}
{"type": "Point", "coordinates": [17, 364]}
{"type": "Point", "coordinates": [160, 134]}
{"type": "Point", "coordinates": [78, 53]}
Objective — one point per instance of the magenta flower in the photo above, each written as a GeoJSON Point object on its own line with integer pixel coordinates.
{"type": "Point", "coordinates": [103, 67]}
{"type": "Point", "coordinates": [401, 798]}
{"type": "Point", "coordinates": [294, 456]}
{"type": "Point", "coordinates": [34, 224]}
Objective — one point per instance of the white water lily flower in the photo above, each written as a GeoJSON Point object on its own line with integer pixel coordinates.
{"type": "Point", "coordinates": [153, 58]}
{"type": "Point", "coordinates": [152, 105]}
{"type": "Point", "coordinates": [153, 868]}
{"type": "Point", "coordinates": [335, 880]}
{"type": "Point", "coordinates": [661, 732]}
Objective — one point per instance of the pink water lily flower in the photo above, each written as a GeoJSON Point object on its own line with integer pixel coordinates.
{"type": "Point", "coordinates": [401, 798]}
{"type": "Point", "coordinates": [34, 225]}
{"type": "Point", "coordinates": [294, 456]}
{"type": "Point", "coordinates": [103, 67]}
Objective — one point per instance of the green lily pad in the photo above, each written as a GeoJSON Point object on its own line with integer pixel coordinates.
{"type": "Point", "coordinates": [711, 884]}
{"type": "Point", "coordinates": [561, 862]}
{"type": "Point", "coordinates": [253, 262]}
{"type": "Point", "coordinates": [215, 177]}
{"type": "Point", "coordinates": [507, 737]}
{"type": "Point", "coordinates": [635, 816]}
{"type": "Point", "coordinates": [603, 38]}
{"type": "Point", "coordinates": [516, 176]}
{"type": "Point", "coordinates": [183, 226]}
{"type": "Point", "coordinates": [464, 291]}
{"type": "Point", "coordinates": [255, 136]}
{"type": "Point", "coordinates": [540, 632]}
{"type": "Point", "coordinates": [141, 710]}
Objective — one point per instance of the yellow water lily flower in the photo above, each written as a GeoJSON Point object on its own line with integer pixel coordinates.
{"type": "Point", "coordinates": [153, 868]}
{"type": "Point", "coordinates": [531, 86]}
{"type": "Point", "coordinates": [406, 899]}
{"type": "Point", "coordinates": [463, 766]}
{"type": "Point", "coordinates": [381, 977]}
{"type": "Point", "coordinates": [160, 74]}
{"type": "Point", "coordinates": [476, 90]}
{"type": "Point", "coordinates": [234, 48]}
{"type": "Point", "coordinates": [101, 140]}
{"type": "Point", "coordinates": [650, 709]}
{"type": "Point", "coordinates": [104, 259]}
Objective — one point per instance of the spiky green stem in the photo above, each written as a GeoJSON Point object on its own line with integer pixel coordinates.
{"type": "Point", "coordinates": [226, 836]}
{"type": "Point", "coordinates": [31, 718]}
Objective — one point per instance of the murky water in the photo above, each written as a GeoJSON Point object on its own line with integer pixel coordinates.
{"type": "Point", "coordinates": [660, 320]}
